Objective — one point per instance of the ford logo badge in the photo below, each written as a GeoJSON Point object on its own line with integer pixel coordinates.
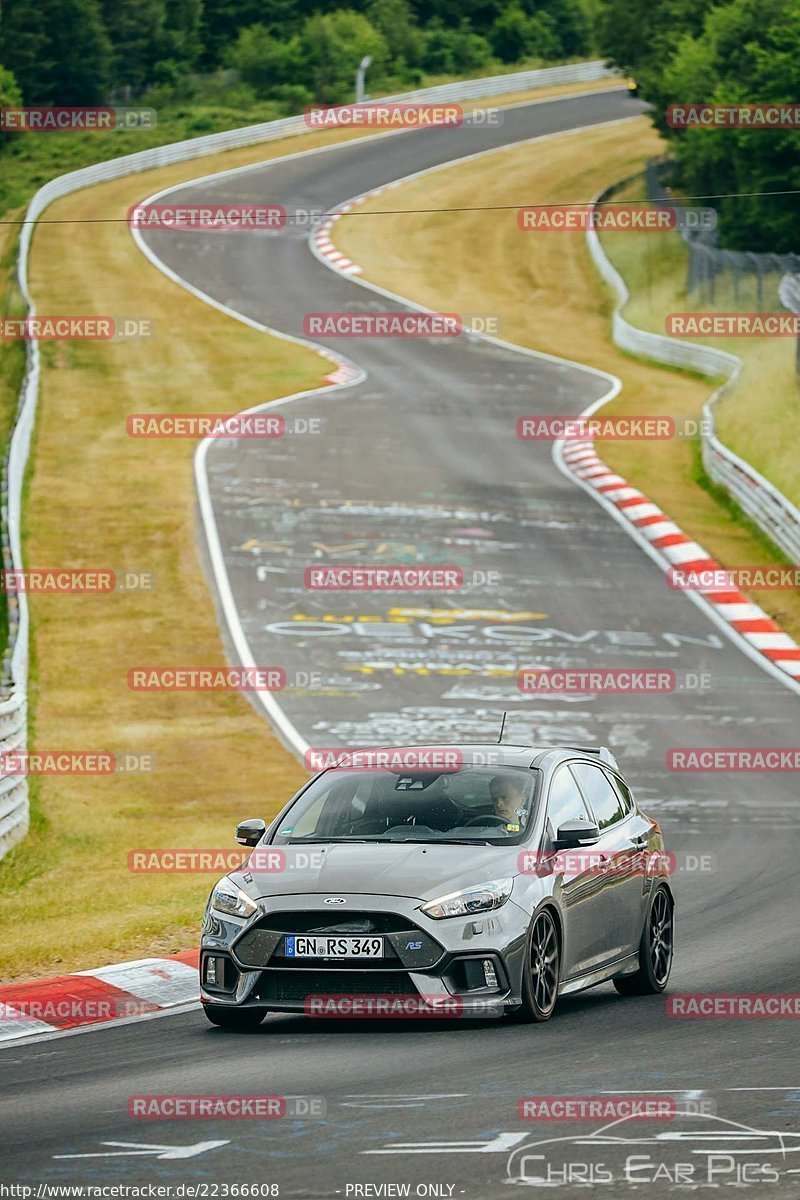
{"type": "Point", "coordinates": [335, 900]}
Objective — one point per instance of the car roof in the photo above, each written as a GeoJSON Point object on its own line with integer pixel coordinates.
{"type": "Point", "coordinates": [495, 754]}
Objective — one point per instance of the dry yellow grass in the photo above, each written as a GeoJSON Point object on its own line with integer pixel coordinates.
{"type": "Point", "coordinates": [99, 498]}
{"type": "Point", "coordinates": [547, 293]}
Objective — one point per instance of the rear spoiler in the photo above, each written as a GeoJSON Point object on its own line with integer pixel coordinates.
{"type": "Point", "coordinates": [602, 752]}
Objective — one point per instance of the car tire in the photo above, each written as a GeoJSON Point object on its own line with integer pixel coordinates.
{"type": "Point", "coordinates": [656, 949]}
{"type": "Point", "coordinates": [234, 1018]}
{"type": "Point", "coordinates": [541, 973]}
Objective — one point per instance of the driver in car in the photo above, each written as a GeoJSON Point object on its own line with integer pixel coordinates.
{"type": "Point", "coordinates": [507, 795]}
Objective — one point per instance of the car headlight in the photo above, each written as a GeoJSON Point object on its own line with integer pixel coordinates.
{"type": "Point", "coordinates": [229, 899]}
{"type": "Point", "coordinates": [480, 898]}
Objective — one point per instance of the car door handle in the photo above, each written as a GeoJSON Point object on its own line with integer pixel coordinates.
{"type": "Point", "coordinates": [641, 841]}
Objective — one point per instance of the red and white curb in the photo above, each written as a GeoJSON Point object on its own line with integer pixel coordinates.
{"type": "Point", "coordinates": [675, 550]}
{"type": "Point", "coordinates": [321, 239]}
{"type": "Point", "coordinates": [345, 371]}
{"type": "Point", "coordinates": [325, 247]}
{"type": "Point", "coordinates": [97, 997]}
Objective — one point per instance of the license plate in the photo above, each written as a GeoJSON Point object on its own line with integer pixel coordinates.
{"type": "Point", "coordinates": [314, 946]}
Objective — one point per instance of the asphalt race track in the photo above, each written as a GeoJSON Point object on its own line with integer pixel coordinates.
{"type": "Point", "coordinates": [420, 462]}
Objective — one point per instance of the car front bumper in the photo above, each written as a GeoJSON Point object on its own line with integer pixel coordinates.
{"type": "Point", "coordinates": [460, 966]}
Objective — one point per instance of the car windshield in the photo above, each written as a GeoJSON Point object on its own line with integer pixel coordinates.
{"type": "Point", "coordinates": [474, 804]}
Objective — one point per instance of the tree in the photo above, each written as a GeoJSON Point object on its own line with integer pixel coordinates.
{"type": "Point", "coordinates": [263, 62]}
{"type": "Point", "coordinates": [395, 20]}
{"type": "Point", "coordinates": [570, 25]}
{"type": "Point", "coordinates": [10, 94]}
{"type": "Point", "coordinates": [749, 51]}
{"type": "Point", "coordinates": [180, 39]}
{"type": "Point", "coordinates": [738, 52]}
{"type": "Point", "coordinates": [450, 51]}
{"type": "Point", "coordinates": [78, 54]}
{"type": "Point", "coordinates": [641, 34]}
{"type": "Point", "coordinates": [26, 46]}
{"type": "Point", "coordinates": [136, 29]}
{"type": "Point", "coordinates": [517, 34]}
{"type": "Point", "coordinates": [543, 40]}
{"type": "Point", "coordinates": [10, 97]}
{"type": "Point", "coordinates": [510, 35]}
{"type": "Point", "coordinates": [221, 23]}
{"type": "Point", "coordinates": [333, 45]}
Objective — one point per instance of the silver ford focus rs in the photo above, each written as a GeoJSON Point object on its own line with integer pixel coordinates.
{"type": "Point", "coordinates": [443, 880]}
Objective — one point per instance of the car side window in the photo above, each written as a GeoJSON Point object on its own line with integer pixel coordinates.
{"type": "Point", "coordinates": [565, 802]}
{"type": "Point", "coordinates": [596, 787]}
{"type": "Point", "coordinates": [628, 803]}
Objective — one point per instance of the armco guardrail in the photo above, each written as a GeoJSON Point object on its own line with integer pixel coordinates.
{"type": "Point", "coordinates": [773, 512]}
{"type": "Point", "coordinates": [789, 296]}
{"type": "Point", "coordinates": [13, 788]}
{"type": "Point", "coordinates": [13, 725]}
{"type": "Point", "coordinates": [789, 292]}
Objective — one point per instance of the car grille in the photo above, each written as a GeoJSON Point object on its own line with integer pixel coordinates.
{"type": "Point", "coordinates": [328, 922]}
{"type": "Point", "coordinates": [292, 987]}
{"type": "Point", "coordinates": [406, 946]}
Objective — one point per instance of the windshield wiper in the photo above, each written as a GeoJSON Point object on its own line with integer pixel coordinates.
{"type": "Point", "coordinates": [309, 841]}
{"type": "Point", "coordinates": [389, 841]}
{"type": "Point", "coordinates": [434, 841]}
{"type": "Point", "coordinates": [463, 842]}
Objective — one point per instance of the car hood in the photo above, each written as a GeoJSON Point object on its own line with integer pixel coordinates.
{"type": "Point", "coordinates": [420, 871]}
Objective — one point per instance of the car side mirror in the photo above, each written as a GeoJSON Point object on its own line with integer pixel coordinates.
{"type": "Point", "coordinates": [577, 833]}
{"type": "Point", "coordinates": [250, 833]}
